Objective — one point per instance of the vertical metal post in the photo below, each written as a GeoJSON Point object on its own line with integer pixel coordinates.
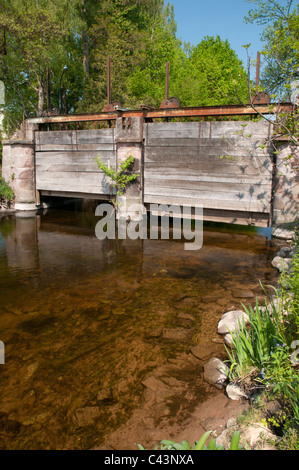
{"type": "Point", "coordinates": [258, 64]}
{"type": "Point", "coordinates": [108, 81]}
{"type": "Point", "coordinates": [48, 89]}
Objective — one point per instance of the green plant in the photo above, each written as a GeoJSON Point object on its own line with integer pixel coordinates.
{"type": "Point", "coordinates": [289, 282]}
{"type": "Point", "coordinates": [201, 444]}
{"type": "Point", "coordinates": [6, 191]}
{"type": "Point", "coordinates": [252, 347]}
{"type": "Point", "coordinates": [120, 178]}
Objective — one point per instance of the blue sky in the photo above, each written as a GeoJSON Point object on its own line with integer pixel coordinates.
{"type": "Point", "coordinates": [198, 18]}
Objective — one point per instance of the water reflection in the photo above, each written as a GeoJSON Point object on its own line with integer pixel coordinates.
{"type": "Point", "coordinates": [84, 320]}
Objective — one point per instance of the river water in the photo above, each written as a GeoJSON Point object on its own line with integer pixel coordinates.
{"type": "Point", "coordinates": [85, 322]}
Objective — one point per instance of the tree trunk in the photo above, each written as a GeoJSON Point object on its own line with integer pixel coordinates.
{"type": "Point", "coordinates": [41, 98]}
{"type": "Point", "coordinates": [85, 44]}
{"type": "Point", "coordinates": [85, 53]}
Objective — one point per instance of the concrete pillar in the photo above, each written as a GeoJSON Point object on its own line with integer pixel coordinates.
{"type": "Point", "coordinates": [18, 169]}
{"type": "Point", "coordinates": [129, 142]}
{"type": "Point", "coordinates": [286, 186]}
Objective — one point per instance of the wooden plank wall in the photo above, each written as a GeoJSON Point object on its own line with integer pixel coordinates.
{"type": "Point", "coordinates": [65, 160]}
{"type": "Point", "coordinates": [220, 165]}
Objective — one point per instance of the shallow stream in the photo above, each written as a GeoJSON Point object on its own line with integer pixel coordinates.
{"type": "Point", "coordinates": [85, 322]}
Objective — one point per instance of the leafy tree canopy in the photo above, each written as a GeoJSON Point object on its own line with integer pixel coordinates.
{"type": "Point", "coordinates": [53, 54]}
{"type": "Point", "coordinates": [280, 35]}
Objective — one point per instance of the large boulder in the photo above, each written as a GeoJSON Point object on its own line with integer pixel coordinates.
{"type": "Point", "coordinates": [284, 252]}
{"type": "Point", "coordinates": [231, 321]}
{"type": "Point", "coordinates": [281, 264]}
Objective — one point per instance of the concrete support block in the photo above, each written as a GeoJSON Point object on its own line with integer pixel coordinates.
{"type": "Point", "coordinates": [129, 130]}
{"type": "Point", "coordinates": [129, 140]}
{"type": "Point", "coordinates": [18, 170]}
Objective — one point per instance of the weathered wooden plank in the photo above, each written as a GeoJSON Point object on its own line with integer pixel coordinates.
{"type": "Point", "coordinates": [260, 130]}
{"type": "Point", "coordinates": [235, 146]}
{"type": "Point", "coordinates": [233, 217]}
{"type": "Point", "coordinates": [236, 217]}
{"type": "Point", "coordinates": [208, 203]}
{"type": "Point", "coordinates": [74, 147]}
{"type": "Point", "coordinates": [72, 140]}
{"type": "Point", "coordinates": [52, 161]}
{"type": "Point", "coordinates": [74, 188]}
{"type": "Point", "coordinates": [74, 194]}
{"type": "Point", "coordinates": [72, 181]}
{"type": "Point", "coordinates": [236, 195]}
{"type": "Point", "coordinates": [254, 190]}
{"type": "Point", "coordinates": [208, 169]}
{"type": "Point", "coordinates": [162, 179]}
{"type": "Point", "coordinates": [71, 175]}
{"type": "Point", "coordinates": [51, 169]}
{"type": "Point", "coordinates": [98, 135]}
{"type": "Point", "coordinates": [75, 156]}
{"type": "Point", "coordinates": [238, 153]}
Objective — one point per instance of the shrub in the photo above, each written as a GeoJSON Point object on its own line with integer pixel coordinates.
{"type": "Point", "coordinates": [6, 191]}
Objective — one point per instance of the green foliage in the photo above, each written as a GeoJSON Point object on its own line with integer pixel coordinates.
{"type": "Point", "coordinates": [38, 39]}
{"type": "Point", "coordinates": [201, 444]}
{"type": "Point", "coordinates": [267, 346]}
{"type": "Point", "coordinates": [213, 75]}
{"type": "Point", "coordinates": [289, 282]}
{"type": "Point", "coordinates": [120, 178]}
{"type": "Point", "coordinates": [280, 35]}
{"type": "Point", "coordinates": [37, 36]}
{"type": "Point", "coordinates": [6, 191]}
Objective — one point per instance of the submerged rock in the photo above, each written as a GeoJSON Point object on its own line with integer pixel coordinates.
{"type": "Point", "coordinates": [178, 334]}
{"type": "Point", "coordinates": [86, 416]}
{"type": "Point", "coordinates": [201, 351]}
{"type": "Point", "coordinates": [216, 372]}
{"type": "Point", "coordinates": [243, 294]}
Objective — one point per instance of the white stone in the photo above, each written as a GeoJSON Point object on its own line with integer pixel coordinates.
{"type": "Point", "coordinates": [228, 339]}
{"type": "Point", "coordinates": [234, 392]}
{"type": "Point", "coordinates": [231, 321]}
{"type": "Point", "coordinates": [282, 264]}
{"type": "Point", "coordinates": [283, 233]}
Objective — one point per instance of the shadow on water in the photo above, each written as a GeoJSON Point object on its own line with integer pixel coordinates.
{"type": "Point", "coordinates": [84, 321]}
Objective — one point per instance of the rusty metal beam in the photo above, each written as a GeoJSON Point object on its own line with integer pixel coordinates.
{"type": "Point", "coordinates": [208, 111]}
